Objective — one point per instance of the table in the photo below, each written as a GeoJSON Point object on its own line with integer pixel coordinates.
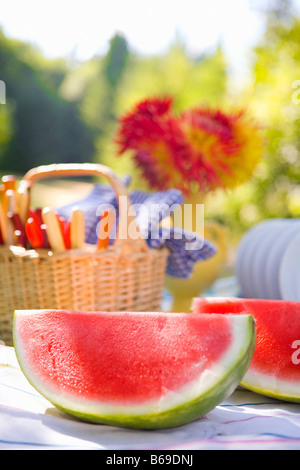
{"type": "Point", "coordinates": [244, 421]}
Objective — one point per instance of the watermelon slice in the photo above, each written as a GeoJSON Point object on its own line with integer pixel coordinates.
{"type": "Point", "coordinates": [275, 367]}
{"type": "Point", "coordinates": [139, 370]}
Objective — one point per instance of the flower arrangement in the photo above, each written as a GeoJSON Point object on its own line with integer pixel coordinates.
{"type": "Point", "coordinates": [197, 151]}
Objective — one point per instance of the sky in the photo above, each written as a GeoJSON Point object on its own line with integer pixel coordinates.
{"type": "Point", "coordinates": [83, 28]}
{"type": "Point", "coordinates": [58, 26]}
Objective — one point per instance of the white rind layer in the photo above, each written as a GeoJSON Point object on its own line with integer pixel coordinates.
{"type": "Point", "coordinates": [271, 385]}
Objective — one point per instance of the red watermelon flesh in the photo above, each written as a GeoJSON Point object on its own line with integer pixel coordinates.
{"type": "Point", "coordinates": [138, 369]}
{"type": "Point", "coordinates": [275, 367]}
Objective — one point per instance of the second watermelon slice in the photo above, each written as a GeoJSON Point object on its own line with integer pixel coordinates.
{"type": "Point", "coordinates": [275, 366]}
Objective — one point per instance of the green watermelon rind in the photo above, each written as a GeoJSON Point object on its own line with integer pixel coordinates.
{"type": "Point", "coordinates": [222, 383]}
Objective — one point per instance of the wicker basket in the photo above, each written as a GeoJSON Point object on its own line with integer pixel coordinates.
{"type": "Point", "coordinates": [125, 276]}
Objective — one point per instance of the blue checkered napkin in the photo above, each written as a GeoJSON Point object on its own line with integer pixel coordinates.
{"type": "Point", "coordinates": [186, 248]}
{"type": "Point", "coordinates": [151, 208]}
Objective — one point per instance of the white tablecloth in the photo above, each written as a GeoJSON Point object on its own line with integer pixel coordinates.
{"type": "Point", "coordinates": [244, 421]}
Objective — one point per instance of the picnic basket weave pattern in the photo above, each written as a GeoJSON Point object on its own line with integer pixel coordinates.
{"type": "Point", "coordinates": [126, 276]}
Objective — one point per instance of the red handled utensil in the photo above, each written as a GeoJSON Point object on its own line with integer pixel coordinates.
{"type": "Point", "coordinates": [18, 228]}
{"type": "Point", "coordinates": [36, 214]}
{"type": "Point", "coordinates": [67, 234]}
{"type": "Point", "coordinates": [34, 233]}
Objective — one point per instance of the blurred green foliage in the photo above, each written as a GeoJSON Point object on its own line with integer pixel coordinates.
{"type": "Point", "coordinates": [272, 95]}
{"type": "Point", "coordinates": [38, 126]}
{"type": "Point", "coordinates": [57, 111]}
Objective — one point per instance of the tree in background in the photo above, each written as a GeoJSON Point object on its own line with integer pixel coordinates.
{"type": "Point", "coordinates": [46, 128]}
{"type": "Point", "coordinates": [6, 128]}
{"type": "Point", "coordinates": [114, 65]}
{"type": "Point", "coordinates": [95, 86]}
{"type": "Point", "coordinates": [272, 96]}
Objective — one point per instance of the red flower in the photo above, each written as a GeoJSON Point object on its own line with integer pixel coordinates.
{"type": "Point", "coordinates": [154, 136]}
{"type": "Point", "coordinates": [200, 150]}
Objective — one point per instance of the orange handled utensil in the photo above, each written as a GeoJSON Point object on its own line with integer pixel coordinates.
{"type": "Point", "coordinates": [10, 196]}
{"type": "Point", "coordinates": [105, 228]}
{"type": "Point", "coordinates": [9, 182]}
{"type": "Point", "coordinates": [23, 201]}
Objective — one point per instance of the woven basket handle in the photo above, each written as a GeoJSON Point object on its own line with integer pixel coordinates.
{"type": "Point", "coordinates": [127, 222]}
